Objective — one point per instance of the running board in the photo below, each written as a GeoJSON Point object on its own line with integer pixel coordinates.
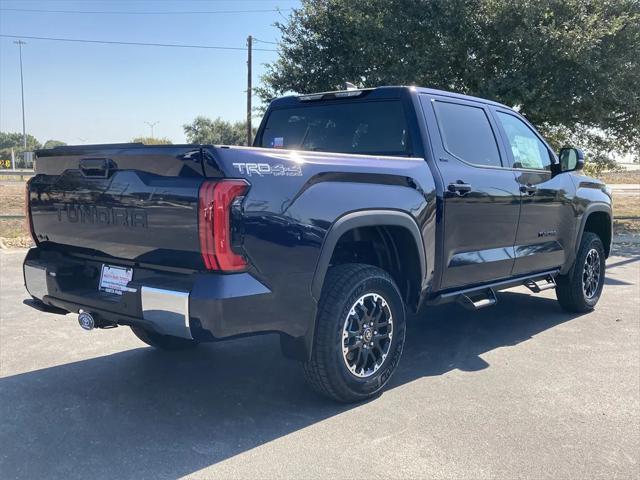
{"type": "Point", "coordinates": [541, 284]}
{"type": "Point", "coordinates": [478, 299]}
{"type": "Point", "coordinates": [484, 295]}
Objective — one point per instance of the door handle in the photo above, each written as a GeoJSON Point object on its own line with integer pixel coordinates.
{"type": "Point", "coordinates": [459, 188]}
{"type": "Point", "coordinates": [528, 189]}
{"type": "Point", "coordinates": [97, 167]}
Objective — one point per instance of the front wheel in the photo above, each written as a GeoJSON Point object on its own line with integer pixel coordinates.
{"type": "Point", "coordinates": [580, 290]}
{"type": "Point", "coordinates": [360, 332]}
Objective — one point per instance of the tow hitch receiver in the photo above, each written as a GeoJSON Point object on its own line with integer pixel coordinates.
{"type": "Point", "coordinates": [86, 320]}
{"type": "Point", "coordinates": [89, 321]}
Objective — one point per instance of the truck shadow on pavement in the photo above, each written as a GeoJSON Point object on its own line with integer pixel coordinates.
{"type": "Point", "coordinates": [144, 413]}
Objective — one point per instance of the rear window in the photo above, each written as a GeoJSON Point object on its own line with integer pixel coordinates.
{"type": "Point", "coordinates": [362, 127]}
{"type": "Point", "coordinates": [467, 134]}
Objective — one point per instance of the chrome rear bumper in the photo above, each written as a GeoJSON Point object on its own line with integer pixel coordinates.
{"type": "Point", "coordinates": [166, 310]}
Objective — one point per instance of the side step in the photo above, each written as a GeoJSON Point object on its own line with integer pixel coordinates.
{"type": "Point", "coordinates": [541, 284]}
{"type": "Point", "coordinates": [484, 295]}
{"type": "Point", "coordinates": [478, 299]}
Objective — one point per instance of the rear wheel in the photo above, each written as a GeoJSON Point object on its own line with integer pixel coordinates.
{"type": "Point", "coordinates": [163, 342]}
{"type": "Point", "coordinates": [580, 290]}
{"type": "Point", "coordinates": [360, 331]}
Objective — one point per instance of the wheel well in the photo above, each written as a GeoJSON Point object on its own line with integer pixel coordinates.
{"type": "Point", "coordinates": [600, 224]}
{"type": "Point", "coordinates": [391, 248]}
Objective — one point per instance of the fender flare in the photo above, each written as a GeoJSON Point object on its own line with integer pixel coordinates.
{"type": "Point", "coordinates": [594, 207]}
{"type": "Point", "coordinates": [364, 218]}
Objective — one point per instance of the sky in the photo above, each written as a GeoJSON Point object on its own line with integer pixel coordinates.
{"type": "Point", "coordinates": [91, 93]}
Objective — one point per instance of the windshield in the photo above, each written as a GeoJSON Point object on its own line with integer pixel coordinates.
{"type": "Point", "coordinates": [357, 127]}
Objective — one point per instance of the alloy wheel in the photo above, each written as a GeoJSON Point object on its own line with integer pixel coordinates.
{"type": "Point", "coordinates": [591, 274]}
{"type": "Point", "coordinates": [367, 335]}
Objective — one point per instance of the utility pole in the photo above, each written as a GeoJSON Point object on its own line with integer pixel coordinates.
{"type": "Point", "coordinates": [249, 46]}
{"type": "Point", "coordinates": [151, 125]}
{"type": "Point", "coordinates": [24, 130]}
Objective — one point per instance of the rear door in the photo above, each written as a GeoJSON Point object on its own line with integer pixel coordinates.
{"type": "Point", "coordinates": [480, 199]}
{"type": "Point", "coordinates": [547, 217]}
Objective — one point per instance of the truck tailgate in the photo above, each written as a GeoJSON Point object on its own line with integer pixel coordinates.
{"type": "Point", "coordinates": [131, 202]}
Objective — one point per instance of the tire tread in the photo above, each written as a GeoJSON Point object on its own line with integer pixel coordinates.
{"type": "Point", "coordinates": [569, 287]}
{"type": "Point", "coordinates": [335, 290]}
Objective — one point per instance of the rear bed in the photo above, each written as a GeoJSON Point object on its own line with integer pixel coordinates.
{"type": "Point", "coordinates": [136, 235]}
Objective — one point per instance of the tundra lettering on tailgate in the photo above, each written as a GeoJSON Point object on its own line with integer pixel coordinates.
{"type": "Point", "coordinates": [119, 216]}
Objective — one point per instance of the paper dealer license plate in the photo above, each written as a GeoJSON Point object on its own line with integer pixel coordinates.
{"type": "Point", "coordinates": [115, 279]}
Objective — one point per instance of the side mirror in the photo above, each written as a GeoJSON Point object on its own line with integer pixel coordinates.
{"type": "Point", "coordinates": [571, 159]}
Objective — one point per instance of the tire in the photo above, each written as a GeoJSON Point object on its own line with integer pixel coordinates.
{"type": "Point", "coordinates": [574, 295]}
{"type": "Point", "coordinates": [358, 301]}
{"type": "Point", "coordinates": [163, 342]}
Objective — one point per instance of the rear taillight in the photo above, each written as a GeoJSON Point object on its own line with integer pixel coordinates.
{"type": "Point", "coordinates": [28, 224]}
{"type": "Point", "coordinates": [214, 224]}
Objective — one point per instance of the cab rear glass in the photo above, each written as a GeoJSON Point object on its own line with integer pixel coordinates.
{"type": "Point", "coordinates": [374, 128]}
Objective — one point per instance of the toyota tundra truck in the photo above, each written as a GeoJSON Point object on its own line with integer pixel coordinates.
{"type": "Point", "coordinates": [351, 210]}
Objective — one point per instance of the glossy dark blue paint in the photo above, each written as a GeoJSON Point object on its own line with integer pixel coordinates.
{"type": "Point", "coordinates": [490, 233]}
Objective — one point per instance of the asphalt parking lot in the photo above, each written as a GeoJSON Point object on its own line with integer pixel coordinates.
{"type": "Point", "coordinates": [520, 390]}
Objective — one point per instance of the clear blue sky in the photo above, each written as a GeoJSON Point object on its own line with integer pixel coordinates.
{"type": "Point", "coordinates": [89, 93]}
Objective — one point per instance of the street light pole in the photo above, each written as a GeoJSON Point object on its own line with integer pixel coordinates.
{"type": "Point", "coordinates": [24, 129]}
{"type": "Point", "coordinates": [249, 89]}
{"type": "Point", "coordinates": [151, 125]}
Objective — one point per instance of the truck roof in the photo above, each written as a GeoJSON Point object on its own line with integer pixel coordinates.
{"type": "Point", "coordinates": [378, 93]}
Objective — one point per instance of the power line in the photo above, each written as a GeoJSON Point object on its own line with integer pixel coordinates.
{"type": "Point", "coordinates": [264, 41]}
{"type": "Point", "coordinates": [143, 44]}
{"type": "Point", "coordinates": [126, 12]}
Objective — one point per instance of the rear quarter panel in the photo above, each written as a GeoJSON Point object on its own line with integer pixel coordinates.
{"type": "Point", "coordinates": [294, 199]}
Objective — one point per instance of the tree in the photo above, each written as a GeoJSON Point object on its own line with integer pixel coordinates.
{"type": "Point", "coordinates": [9, 141]}
{"type": "Point", "coordinates": [152, 140]}
{"type": "Point", "coordinates": [569, 66]}
{"type": "Point", "coordinates": [15, 141]}
{"type": "Point", "coordinates": [216, 132]}
{"type": "Point", "coordinates": [53, 144]}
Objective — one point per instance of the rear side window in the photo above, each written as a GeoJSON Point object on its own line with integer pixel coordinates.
{"type": "Point", "coordinates": [357, 127]}
{"type": "Point", "coordinates": [527, 149]}
{"type": "Point", "coordinates": [467, 134]}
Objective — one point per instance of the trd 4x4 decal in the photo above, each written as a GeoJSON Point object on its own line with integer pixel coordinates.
{"type": "Point", "coordinates": [263, 169]}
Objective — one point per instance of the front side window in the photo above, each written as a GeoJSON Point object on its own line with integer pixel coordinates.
{"type": "Point", "coordinates": [467, 134]}
{"type": "Point", "coordinates": [358, 127]}
{"type": "Point", "coordinates": [527, 149]}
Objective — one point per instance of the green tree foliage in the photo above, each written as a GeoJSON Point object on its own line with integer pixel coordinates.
{"type": "Point", "coordinates": [152, 140]}
{"type": "Point", "coordinates": [571, 66]}
{"type": "Point", "coordinates": [216, 132]}
{"type": "Point", "coordinates": [9, 140]}
{"type": "Point", "coordinates": [14, 141]}
{"type": "Point", "coordinates": [53, 144]}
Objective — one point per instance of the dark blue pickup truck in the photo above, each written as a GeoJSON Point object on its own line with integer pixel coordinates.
{"type": "Point", "coordinates": [351, 209]}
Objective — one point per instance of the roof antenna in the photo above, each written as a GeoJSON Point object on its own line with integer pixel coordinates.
{"type": "Point", "coordinates": [349, 86]}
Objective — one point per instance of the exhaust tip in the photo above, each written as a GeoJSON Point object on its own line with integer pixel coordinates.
{"type": "Point", "coordinates": [86, 321]}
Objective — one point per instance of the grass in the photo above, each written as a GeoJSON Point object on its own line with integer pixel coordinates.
{"type": "Point", "coordinates": [626, 213]}
{"type": "Point", "coordinates": [12, 199]}
{"type": "Point", "coordinates": [626, 204]}
{"type": "Point", "coordinates": [13, 234]}
{"type": "Point", "coordinates": [630, 176]}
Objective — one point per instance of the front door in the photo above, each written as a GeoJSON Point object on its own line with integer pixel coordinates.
{"type": "Point", "coordinates": [480, 202]}
{"type": "Point", "coordinates": [547, 219]}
